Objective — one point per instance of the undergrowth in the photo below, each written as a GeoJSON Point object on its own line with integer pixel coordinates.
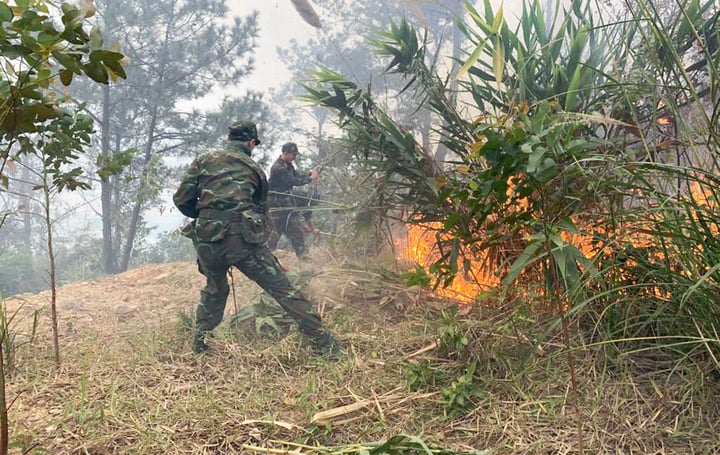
{"type": "Point", "coordinates": [419, 377]}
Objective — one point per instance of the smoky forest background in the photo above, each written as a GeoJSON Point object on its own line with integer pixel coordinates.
{"type": "Point", "coordinates": [518, 228]}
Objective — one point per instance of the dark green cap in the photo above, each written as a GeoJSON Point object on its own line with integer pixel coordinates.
{"type": "Point", "coordinates": [290, 147]}
{"type": "Point", "coordinates": [243, 131]}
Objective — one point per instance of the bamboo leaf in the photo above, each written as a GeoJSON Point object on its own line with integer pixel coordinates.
{"type": "Point", "coordinates": [498, 22]}
{"type": "Point", "coordinates": [470, 62]}
{"type": "Point", "coordinates": [529, 255]}
{"type": "Point", "coordinates": [573, 88]}
{"type": "Point", "coordinates": [479, 21]}
{"type": "Point", "coordinates": [499, 60]}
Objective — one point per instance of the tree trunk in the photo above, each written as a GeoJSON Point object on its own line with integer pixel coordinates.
{"type": "Point", "coordinates": [135, 218]}
{"type": "Point", "coordinates": [105, 188]}
{"type": "Point", "coordinates": [30, 205]}
{"type": "Point", "coordinates": [53, 280]}
{"type": "Point", "coordinates": [27, 202]}
{"type": "Point", "coordinates": [157, 99]}
{"type": "Point", "coordinates": [442, 150]}
{"type": "Point", "coordinates": [4, 434]}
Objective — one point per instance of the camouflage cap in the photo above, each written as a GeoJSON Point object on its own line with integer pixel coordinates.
{"type": "Point", "coordinates": [243, 131]}
{"type": "Point", "coordinates": [290, 147]}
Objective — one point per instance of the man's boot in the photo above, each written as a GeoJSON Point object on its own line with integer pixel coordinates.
{"type": "Point", "coordinates": [327, 346]}
{"type": "Point", "coordinates": [199, 343]}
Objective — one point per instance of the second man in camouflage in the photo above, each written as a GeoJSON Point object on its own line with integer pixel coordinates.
{"type": "Point", "coordinates": [286, 215]}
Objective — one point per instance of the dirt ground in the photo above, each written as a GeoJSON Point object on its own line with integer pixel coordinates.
{"type": "Point", "coordinates": [129, 383]}
{"type": "Point", "coordinates": [154, 294]}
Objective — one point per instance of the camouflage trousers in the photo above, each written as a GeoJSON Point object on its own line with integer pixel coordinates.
{"type": "Point", "coordinates": [289, 222]}
{"type": "Point", "coordinates": [257, 263]}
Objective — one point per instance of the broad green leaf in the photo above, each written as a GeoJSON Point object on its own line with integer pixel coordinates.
{"type": "Point", "coordinates": [539, 21]}
{"type": "Point", "coordinates": [31, 92]}
{"type": "Point", "coordinates": [14, 51]}
{"type": "Point", "coordinates": [573, 88]}
{"type": "Point", "coordinates": [96, 71]}
{"type": "Point", "coordinates": [47, 39]}
{"type": "Point", "coordinates": [101, 55]}
{"type": "Point", "coordinates": [566, 265]}
{"type": "Point", "coordinates": [578, 45]}
{"type": "Point", "coordinates": [66, 77]}
{"type": "Point", "coordinates": [535, 159]}
{"type": "Point", "coordinates": [115, 70]}
{"type": "Point", "coordinates": [6, 13]}
{"type": "Point", "coordinates": [68, 61]}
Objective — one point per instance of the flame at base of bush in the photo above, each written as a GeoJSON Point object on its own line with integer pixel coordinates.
{"type": "Point", "coordinates": [419, 247]}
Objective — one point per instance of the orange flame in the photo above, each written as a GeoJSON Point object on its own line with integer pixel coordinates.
{"type": "Point", "coordinates": [419, 247]}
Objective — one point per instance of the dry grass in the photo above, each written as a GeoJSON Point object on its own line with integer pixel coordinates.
{"type": "Point", "coordinates": [129, 383]}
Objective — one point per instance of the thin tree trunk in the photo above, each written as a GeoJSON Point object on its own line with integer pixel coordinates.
{"type": "Point", "coordinates": [105, 188]}
{"type": "Point", "coordinates": [53, 284]}
{"type": "Point", "coordinates": [135, 217]}
{"type": "Point", "coordinates": [157, 99]}
{"type": "Point", "coordinates": [322, 153]}
{"type": "Point", "coordinates": [442, 150]}
{"type": "Point", "coordinates": [29, 205]}
{"type": "Point", "coordinates": [116, 213]}
{"type": "Point", "coordinates": [26, 202]}
{"type": "Point", "coordinates": [4, 434]}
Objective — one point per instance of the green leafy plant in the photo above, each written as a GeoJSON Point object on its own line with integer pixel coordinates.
{"type": "Point", "coordinates": [453, 340]}
{"type": "Point", "coordinates": [38, 49]}
{"type": "Point", "coordinates": [417, 277]}
{"type": "Point", "coordinates": [419, 375]}
{"type": "Point", "coordinates": [11, 342]}
{"type": "Point", "coordinates": [462, 392]}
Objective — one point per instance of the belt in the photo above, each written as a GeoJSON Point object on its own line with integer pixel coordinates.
{"type": "Point", "coordinates": [222, 215]}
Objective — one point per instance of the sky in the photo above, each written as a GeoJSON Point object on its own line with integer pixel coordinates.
{"type": "Point", "coordinates": [279, 25]}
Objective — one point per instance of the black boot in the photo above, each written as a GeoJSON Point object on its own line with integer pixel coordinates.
{"type": "Point", "coordinates": [327, 346]}
{"type": "Point", "coordinates": [199, 344]}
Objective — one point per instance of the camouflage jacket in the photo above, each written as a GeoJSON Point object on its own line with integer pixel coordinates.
{"type": "Point", "coordinates": [283, 177]}
{"type": "Point", "coordinates": [226, 191]}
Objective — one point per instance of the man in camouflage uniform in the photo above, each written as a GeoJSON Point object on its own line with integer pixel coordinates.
{"type": "Point", "coordinates": [225, 192]}
{"type": "Point", "coordinates": [286, 217]}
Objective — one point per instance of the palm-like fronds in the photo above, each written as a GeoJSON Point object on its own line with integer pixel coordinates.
{"type": "Point", "coordinates": [406, 172]}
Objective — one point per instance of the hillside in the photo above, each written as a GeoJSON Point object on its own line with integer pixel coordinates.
{"type": "Point", "coordinates": [129, 383]}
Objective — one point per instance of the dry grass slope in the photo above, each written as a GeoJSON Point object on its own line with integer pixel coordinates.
{"type": "Point", "coordinates": [129, 384]}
